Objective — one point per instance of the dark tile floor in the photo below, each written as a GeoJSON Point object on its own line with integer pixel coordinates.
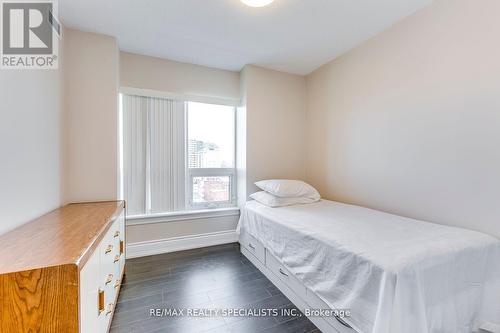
{"type": "Point", "coordinates": [209, 278]}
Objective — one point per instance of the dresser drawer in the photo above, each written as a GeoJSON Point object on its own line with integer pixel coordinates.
{"type": "Point", "coordinates": [108, 243]}
{"type": "Point", "coordinates": [91, 305]}
{"type": "Point", "coordinates": [121, 242]}
{"type": "Point", "coordinates": [119, 253]}
{"type": "Point", "coordinates": [110, 269]}
{"type": "Point", "coordinates": [285, 275]}
{"type": "Point", "coordinates": [100, 279]}
{"type": "Point", "coordinates": [253, 246]}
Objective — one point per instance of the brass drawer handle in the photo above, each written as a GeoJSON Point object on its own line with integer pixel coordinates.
{"type": "Point", "coordinates": [117, 258]}
{"type": "Point", "coordinates": [117, 233]}
{"type": "Point", "coordinates": [122, 247]}
{"type": "Point", "coordinates": [100, 301]}
{"type": "Point", "coordinates": [283, 272]}
{"type": "Point", "coordinates": [110, 309]}
{"type": "Point", "coordinates": [109, 249]}
{"type": "Point", "coordinates": [250, 245]}
{"type": "Point", "coordinates": [109, 279]}
{"type": "Point", "coordinates": [117, 283]}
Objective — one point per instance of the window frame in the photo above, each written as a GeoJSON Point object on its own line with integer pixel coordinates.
{"type": "Point", "coordinates": [189, 207]}
{"type": "Point", "coordinates": [210, 172]}
{"type": "Point", "coordinates": [191, 173]}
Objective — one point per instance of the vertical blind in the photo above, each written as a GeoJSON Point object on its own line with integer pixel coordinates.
{"type": "Point", "coordinates": [153, 154]}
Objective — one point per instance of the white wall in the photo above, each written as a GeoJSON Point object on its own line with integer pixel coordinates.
{"type": "Point", "coordinates": [409, 122]}
{"type": "Point", "coordinates": [30, 144]}
{"type": "Point", "coordinates": [58, 130]}
{"type": "Point", "coordinates": [91, 111]}
{"type": "Point", "coordinates": [275, 125]}
{"type": "Point", "coordinates": [138, 71]}
{"type": "Point", "coordinates": [185, 227]}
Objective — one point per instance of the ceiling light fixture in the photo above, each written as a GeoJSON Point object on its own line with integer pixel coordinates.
{"type": "Point", "coordinates": [257, 3]}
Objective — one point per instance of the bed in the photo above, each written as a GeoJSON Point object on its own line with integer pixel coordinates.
{"type": "Point", "coordinates": [393, 274]}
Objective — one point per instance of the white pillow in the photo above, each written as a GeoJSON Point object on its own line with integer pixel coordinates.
{"type": "Point", "coordinates": [274, 201]}
{"type": "Point", "coordinates": [288, 188]}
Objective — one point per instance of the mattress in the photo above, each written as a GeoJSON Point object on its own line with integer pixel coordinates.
{"type": "Point", "coordinates": [395, 274]}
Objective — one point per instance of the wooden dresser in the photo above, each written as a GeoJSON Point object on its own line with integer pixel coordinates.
{"type": "Point", "coordinates": [62, 271]}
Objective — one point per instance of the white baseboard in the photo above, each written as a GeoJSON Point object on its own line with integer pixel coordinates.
{"type": "Point", "coordinates": [142, 249]}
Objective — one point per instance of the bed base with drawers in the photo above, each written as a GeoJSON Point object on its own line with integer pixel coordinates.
{"type": "Point", "coordinates": [302, 297]}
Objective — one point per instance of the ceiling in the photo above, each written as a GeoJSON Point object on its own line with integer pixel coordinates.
{"type": "Point", "coordinates": [295, 36]}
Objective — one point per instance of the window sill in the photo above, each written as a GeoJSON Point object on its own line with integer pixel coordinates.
{"type": "Point", "coordinates": [182, 216]}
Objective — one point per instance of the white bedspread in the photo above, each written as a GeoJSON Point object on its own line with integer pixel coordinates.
{"type": "Point", "coordinates": [397, 275]}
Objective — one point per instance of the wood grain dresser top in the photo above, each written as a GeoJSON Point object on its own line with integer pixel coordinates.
{"type": "Point", "coordinates": [65, 236]}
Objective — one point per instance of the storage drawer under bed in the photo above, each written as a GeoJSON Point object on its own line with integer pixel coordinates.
{"type": "Point", "coordinates": [312, 300]}
{"type": "Point", "coordinates": [339, 324]}
{"type": "Point", "coordinates": [285, 275]}
{"type": "Point", "coordinates": [253, 246]}
{"type": "Point", "coordinates": [276, 268]}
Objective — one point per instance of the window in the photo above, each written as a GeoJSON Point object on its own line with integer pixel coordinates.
{"type": "Point", "coordinates": [176, 155]}
{"type": "Point", "coordinates": [211, 155]}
